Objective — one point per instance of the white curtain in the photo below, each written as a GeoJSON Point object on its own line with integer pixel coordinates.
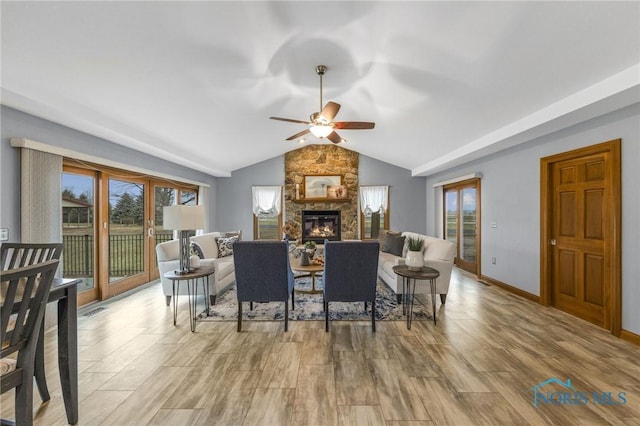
{"type": "Point", "coordinates": [373, 197]}
{"type": "Point", "coordinates": [203, 199]}
{"type": "Point", "coordinates": [266, 200]}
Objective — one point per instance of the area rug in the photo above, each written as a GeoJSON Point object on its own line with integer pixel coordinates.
{"type": "Point", "coordinates": [309, 307]}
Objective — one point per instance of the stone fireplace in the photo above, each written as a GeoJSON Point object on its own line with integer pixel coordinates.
{"type": "Point", "coordinates": [321, 159]}
{"type": "Point", "coordinates": [320, 225]}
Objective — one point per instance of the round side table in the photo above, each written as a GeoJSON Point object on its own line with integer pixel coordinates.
{"type": "Point", "coordinates": [407, 275]}
{"type": "Point", "coordinates": [192, 280]}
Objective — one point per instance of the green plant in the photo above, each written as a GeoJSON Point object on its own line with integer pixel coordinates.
{"type": "Point", "coordinates": [310, 245]}
{"type": "Point", "coordinates": [415, 243]}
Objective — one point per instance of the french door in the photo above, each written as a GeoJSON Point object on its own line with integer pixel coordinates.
{"type": "Point", "coordinates": [125, 244]}
{"type": "Point", "coordinates": [112, 221]}
{"type": "Point", "coordinates": [462, 222]}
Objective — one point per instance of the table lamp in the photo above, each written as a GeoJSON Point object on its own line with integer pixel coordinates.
{"type": "Point", "coordinates": [183, 219]}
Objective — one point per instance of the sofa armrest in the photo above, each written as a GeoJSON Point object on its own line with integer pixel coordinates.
{"type": "Point", "coordinates": [442, 266]}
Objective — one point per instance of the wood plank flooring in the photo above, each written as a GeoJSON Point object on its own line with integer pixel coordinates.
{"type": "Point", "coordinates": [477, 366]}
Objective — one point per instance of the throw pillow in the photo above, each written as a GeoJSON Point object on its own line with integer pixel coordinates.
{"type": "Point", "coordinates": [393, 244]}
{"type": "Point", "coordinates": [195, 248]}
{"type": "Point", "coordinates": [225, 246]}
{"type": "Point", "coordinates": [384, 233]}
{"type": "Point", "coordinates": [233, 234]}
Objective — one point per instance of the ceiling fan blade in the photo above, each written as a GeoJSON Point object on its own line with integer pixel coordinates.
{"type": "Point", "coordinates": [354, 125]}
{"type": "Point", "coordinates": [297, 135]}
{"type": "Point", "coordinates": [333, 137]}
{"type": "Point", "coordinates": [290, 120]}
{"type": "Point", "coordinates": [330, 110]}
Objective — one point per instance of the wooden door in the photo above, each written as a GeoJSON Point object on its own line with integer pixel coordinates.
{"type": "Point", "coordinates": [462, 222]}
{"type": "Point", "coordinates": [582, 225]}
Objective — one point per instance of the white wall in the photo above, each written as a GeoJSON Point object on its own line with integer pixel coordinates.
{"type": "Point", "coordinates": [511, 198]}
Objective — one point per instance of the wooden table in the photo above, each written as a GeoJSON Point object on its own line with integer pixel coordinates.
{"type": "Point", "coordinates": [191, 278]}
{"type": "Point", "coordinates": [65, 292]}
{"type": "Point", "coordinates": [311, 269]}
{"type": "Point", "coordinates": [407, 275]}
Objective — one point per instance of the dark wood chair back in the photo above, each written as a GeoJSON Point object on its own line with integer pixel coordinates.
{"type": "Point", "coordinates": [23, 293]}
{"type": "Point", "coordinates": [18, 255]}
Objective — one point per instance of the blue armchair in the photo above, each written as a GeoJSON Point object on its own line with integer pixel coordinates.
{"type": "Point", "coordinates": [263, 274]}
{"type": "Point", "coordinates": [351, 274]}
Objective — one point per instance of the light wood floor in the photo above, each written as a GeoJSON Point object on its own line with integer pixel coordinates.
{"type": "Point", "coordinates": [477, 366]}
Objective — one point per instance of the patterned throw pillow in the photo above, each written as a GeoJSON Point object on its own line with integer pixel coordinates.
{"type": "Point", "coordinates": [225, 246]}
{"type": "Point", "coordinates": [197, 250]}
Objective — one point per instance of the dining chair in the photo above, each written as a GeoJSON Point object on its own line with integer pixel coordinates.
{"type": "Point", "coordinates": [263, 274]}
{"type": "Point", "coordinates": [24, 293]}
{"type": "Point", "coordinates": [16, 255]}
{"type": "Point", "coordinates": [351, 274]}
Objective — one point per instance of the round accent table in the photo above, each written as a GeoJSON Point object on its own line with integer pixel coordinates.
{"type": "Point", "coordinates": [192, 280]}
{"type": "Point", "coordinates": [408, 294]}
{"type": "Point", "coordinates": [311, 270]}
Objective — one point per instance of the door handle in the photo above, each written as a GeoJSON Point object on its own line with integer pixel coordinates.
{"type": "Point", "coordinates": [553, 241]}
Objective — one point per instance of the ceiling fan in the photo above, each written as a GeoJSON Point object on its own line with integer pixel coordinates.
{"type": "Point", "coordinates": [321, 123]}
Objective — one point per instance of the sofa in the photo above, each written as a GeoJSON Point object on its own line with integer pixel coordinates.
{"type": "Point", "coordinates": [438, 254]}
{"type": "Point", "coordinates": [168, 255]}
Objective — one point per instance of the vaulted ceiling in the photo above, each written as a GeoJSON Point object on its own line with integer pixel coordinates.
{"type": "Point", "coordinates": [195, 82]}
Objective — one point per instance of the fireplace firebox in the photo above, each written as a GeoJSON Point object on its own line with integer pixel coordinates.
{"type": "Point", "coordinates": [320, 225]}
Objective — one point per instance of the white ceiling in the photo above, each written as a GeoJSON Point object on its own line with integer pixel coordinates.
{"type": "Point", "coordinates": [195, 82]}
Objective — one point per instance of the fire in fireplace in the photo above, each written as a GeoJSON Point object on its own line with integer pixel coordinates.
{"type": "Point", "coordinates": [320, 225]}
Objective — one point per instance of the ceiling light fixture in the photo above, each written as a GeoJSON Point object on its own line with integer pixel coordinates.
{"type": "Point", "coordinates": [321, 130]}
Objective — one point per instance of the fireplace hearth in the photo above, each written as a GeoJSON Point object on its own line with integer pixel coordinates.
{"type": "Point", "coordinates": [320, 225]}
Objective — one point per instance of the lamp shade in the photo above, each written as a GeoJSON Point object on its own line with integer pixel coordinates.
{"type": "Point", "coordinates": [183, 218]}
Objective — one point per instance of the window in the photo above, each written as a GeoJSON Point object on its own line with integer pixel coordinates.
{"type": "Point", "coordinates": [374, 211]}
{"type": "Point", "coordinates": [267, 212]}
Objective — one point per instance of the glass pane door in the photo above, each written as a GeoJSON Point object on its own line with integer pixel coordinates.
{"type": "Point", "coordinates": [468, 243]}
{"type": "Point", "coordinates": [162, 196]}
{"type": "Point", "coordinates": [127, 233]}
{"type": "Point", "coordinates": [461, 213]}
{"type": "Point", "coordinates": [451, 216]}
{"type": "Point", "coordinates": [78, 231]}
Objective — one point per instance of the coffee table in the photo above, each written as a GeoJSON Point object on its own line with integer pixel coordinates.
{"type": "Point", "coordinates": [311, 270]}
{"type": "Point", "coordinates": [407, 275]}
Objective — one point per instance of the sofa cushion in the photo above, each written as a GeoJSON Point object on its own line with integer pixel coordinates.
{"type": "Point", "coordinates": [393, 243]}
{"type": "Point", "coordinates": [207, 243]}
{"type": "Point", "coordinates": [225, 246]}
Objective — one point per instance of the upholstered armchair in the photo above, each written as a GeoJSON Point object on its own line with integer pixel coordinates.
{"type": "Point", "coordinates": [263, 274]}
{"type": "Point", "coordinates": [350, 274]}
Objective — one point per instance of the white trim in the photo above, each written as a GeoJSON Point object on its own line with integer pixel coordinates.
{"type": "Point", "coordinates": [458, 179]}
{"type": "Point", "coordinates": [64, 152]}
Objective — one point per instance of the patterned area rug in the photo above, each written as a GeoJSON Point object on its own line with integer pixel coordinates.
{"type": "Point", "coordinates": [309, 307]}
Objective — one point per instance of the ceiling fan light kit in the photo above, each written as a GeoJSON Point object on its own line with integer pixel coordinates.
{"type": "Point", "coordinates": [321, 123]}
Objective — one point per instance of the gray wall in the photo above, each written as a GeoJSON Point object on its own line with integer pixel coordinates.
{"type": "Point", "coordinates": [234, 203]}
{"type": "Point", "coordinates": [407, 195]}
{"type": "Point", "coordinates": [511, 198]}
{"type": "Point", "coordinates": [21, 125]}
